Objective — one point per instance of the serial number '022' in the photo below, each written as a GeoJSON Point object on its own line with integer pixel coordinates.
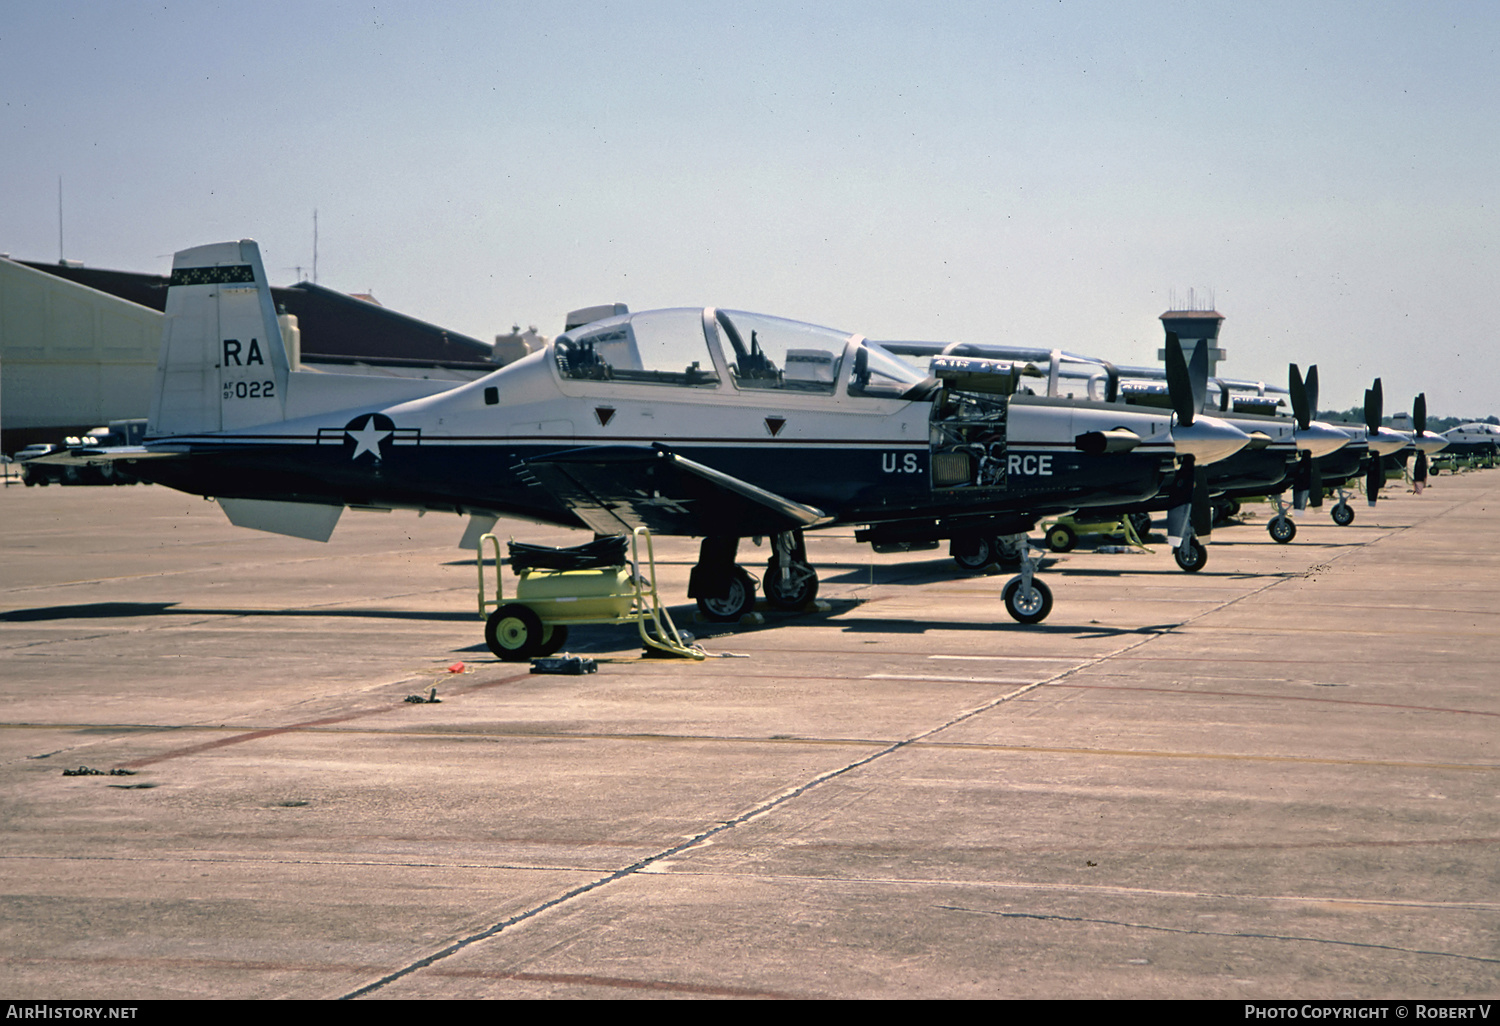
{"type": "Point", "coordinates": [250, 390]}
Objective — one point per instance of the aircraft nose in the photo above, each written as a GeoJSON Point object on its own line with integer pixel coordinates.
{"type": "Point", "coordinates": [1386, 441]}
{"type": "Point", "coordinates": [1208, 440]}
{"type": "Point", "coordinates": [1431, 443]}
{"type": "Point", "coordinates": [1321, 439]}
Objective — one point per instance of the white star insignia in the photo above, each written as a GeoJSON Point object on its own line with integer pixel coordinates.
{"type": "Point", "coordinates": [368, 438]}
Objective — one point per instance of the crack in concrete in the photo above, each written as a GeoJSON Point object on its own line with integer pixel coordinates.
{"type": "Point", "coordinates": [1247, 935]}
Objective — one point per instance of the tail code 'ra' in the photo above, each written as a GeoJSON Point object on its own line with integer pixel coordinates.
{"type": "Point", "coordinates": [223, 362]}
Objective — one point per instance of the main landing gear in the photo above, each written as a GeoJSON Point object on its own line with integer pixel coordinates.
{"type": "Point", "coordinates": [725, 591]}
{"type": "Point", "coordinates": [978, 552]}
{"type": "Point", "coordinates": [790, 583]}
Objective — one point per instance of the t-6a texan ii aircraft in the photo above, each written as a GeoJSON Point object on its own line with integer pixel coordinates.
{"type": "Point", "coordinates": [701, 422]}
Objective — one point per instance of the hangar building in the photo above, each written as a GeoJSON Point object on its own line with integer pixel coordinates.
{"type": "Point", "coordinates": [78, 345]}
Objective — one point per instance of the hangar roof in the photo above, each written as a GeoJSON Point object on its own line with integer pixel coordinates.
{"type": "Point", "coordinates": [332, 324]}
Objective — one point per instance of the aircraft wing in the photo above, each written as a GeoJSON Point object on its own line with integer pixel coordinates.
{"type": "Point", "coordinates": [615, 488]}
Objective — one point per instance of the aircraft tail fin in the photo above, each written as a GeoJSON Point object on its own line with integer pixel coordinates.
{"type": "Point", "coordinates": [223, 362]}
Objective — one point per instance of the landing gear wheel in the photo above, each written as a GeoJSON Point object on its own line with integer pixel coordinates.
{"type": "Point", "coordinates": [1027, 607]}
{"type": "Point", "coordinates": [1282, 530]}
{"type": "Point", "coordinates": [1140, 523]}
{"type": "Point", "coordinates": [1343, 514]}
{"type": "Point", "coordinates": [800, 591]}
{"type": "Point", "coordinates": [1191, 555]}
{"type": "Point", "coordinates": [554, 638]}
{"type": "Point", "coordinates": [974, 554]}
{"type": "Point", "coordinates": [735, 603]}
{"type": "Point", "coordinates": [514, 633]}
{"type": "Point", "coordinates": [1061, 538]}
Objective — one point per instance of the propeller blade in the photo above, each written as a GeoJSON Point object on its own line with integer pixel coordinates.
{"type": "Point", "coordinates": [1179, 382]}
{"type": "Point", "coordinates": [1203, 510]}
{"type": "Point", "coordinates": [1373, 403]}
{"type": "Point", "coordinates": [1419, 415]}
{"type": "Point", "coordinates": [1299, 397]}
{"type": "Point", "coordinates": [1198, 375]}
{"type": "Point", "coordinates": [1314, 471]}
{"type": "Point", "coordinates": [1111, 383]}
{"type": "Point", "coordinates": [1182, 514]}
{"type": "Point", "coordinates": [1374, 477]}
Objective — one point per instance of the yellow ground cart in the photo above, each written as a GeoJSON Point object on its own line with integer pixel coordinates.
{"type": "Point", "coordinates": [1062, 533]}
{"type": "Point", "coordinates": [550, 598]}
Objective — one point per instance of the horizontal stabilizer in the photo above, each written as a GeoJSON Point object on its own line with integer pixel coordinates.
{"type": "Point", "coordinates": [618, 488]}
{"type": "Point", "coordinates": [98, 455]}
{"type": "Point", "coordinates": [312, 521]}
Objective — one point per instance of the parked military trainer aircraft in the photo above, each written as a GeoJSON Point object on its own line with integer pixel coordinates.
{"type": "Point", "coordinates": [699, 422]}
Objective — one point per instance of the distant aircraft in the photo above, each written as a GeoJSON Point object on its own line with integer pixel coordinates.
{"type": "Point", "coordinates": [702, 422]}
{"type": "Point", "coordinates": [1283, 452]}
{"type": "Point", "coordinates": [1475, 439]}
{"type": "Point", "coordinates": [1421, 443]}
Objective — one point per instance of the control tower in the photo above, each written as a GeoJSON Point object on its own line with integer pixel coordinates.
{"type": "Point", "coordinates": [1195, 328]}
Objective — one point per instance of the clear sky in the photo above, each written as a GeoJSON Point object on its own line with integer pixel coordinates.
{"type": "Point", "coordinates": [1034, 172]}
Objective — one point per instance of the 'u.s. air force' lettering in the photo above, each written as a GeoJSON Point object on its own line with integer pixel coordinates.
{"type": "Point", "coordinates": [1026, 464]}
{"type": "Point", "coordinates": [1030, 464]}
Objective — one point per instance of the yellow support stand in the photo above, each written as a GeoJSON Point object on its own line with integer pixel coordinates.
{"type": "Point", "coordinates": [614, 595]}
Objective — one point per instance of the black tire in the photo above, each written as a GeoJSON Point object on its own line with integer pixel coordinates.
{"type": "Point", "coordinates": [739, 601]}
{"type": "Point", "coordinates": [554, 637]}
{"type": "Point", "coordinates": [980, 557]}
{"type": "Point", "coordinates": [1282, 530]}
{"type": "Point", "coordinates": [1032, 609]}
{"type": "Point", "coordinates": [1140, 523]}
{"type": "Point", "coordinates": [1061, 538]}
{"type": "Point", "coordinates": [514, 633]}
{"type": "Point", "coordinates": [1191, 555]}
{"type": "Point", "coordinates": [804, 587]}
{"type": "Point", "coordinates": [1343, 514]}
